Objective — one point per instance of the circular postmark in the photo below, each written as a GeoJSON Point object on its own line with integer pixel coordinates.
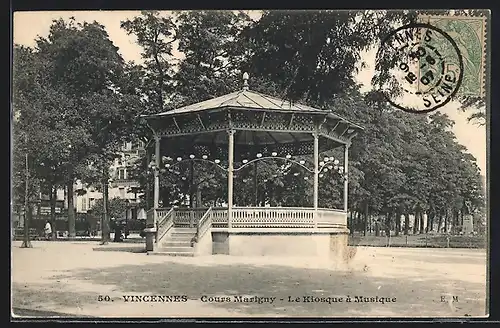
{"type": "Point", "coordinates": [423, 68]}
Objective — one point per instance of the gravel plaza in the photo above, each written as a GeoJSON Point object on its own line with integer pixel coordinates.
{"type": "Point", "coordinates": [84, 279]}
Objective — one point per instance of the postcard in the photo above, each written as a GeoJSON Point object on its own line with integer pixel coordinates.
{"type": "Point", "coordinates": [272, 164]}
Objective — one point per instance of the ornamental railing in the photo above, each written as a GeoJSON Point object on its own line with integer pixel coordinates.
{"type": "Point", "coordinates": [258, 217]}
{"type": "Point", "coordinates": [204, 225]}
{"type": "Point", "coordinates": [188, 217]}
{"type": "Point", "coordinates": [330, 218]}
{"type": "Point", "coordinates": [219, 217]}
{"type": "Point", "coordinates": [250, 217]}
{"type": "Point", "coordinates": [150, 216]}
{"type": "Point", "coordinates": [165, 222]}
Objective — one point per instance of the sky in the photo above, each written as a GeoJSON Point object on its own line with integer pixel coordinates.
{"type": "Point", "coordinates": [27, 26]}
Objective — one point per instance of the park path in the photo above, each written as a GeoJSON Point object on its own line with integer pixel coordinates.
{"type": "Point", "coordinates": [68, 277]}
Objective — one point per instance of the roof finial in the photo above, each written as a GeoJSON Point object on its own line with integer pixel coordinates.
{"type": "Point", "coordinates": [245, 81]}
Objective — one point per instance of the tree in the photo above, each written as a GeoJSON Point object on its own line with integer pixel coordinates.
{"type": "Point", "coordinates": [394, 168]}
{"type": "Point", "coordinates": [211, 43]}
{"type": "Point", "coordinates": [33, 103]}
{"type": "Point", "coordinates": [313, 55]}
{"type": "Point", "coordinates": [83, 65]}
{"type": "Point", "coordinates": [116, 208]}
{"type": "Point", "coordinates": [155, 34]}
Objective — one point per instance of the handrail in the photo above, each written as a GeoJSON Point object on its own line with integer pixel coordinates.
{"type": "Point", "coordinates": [203, 225]}
{"type": "Point", "coordinates": [164, 225]}
{"type": "Point", "coordinates": [270, 208]}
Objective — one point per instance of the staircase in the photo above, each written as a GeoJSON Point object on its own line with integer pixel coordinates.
{"type": "Point", "coordinates": [179, 242]}
{"type": "Point", "coordinates": [183, 232]}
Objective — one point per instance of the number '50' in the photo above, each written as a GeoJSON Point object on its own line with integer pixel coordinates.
{"type": "Point", "coordinates": [104, 298]}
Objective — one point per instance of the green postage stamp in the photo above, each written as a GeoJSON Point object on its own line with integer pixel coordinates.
{"type": "Point", "coordinates": [469, 34]}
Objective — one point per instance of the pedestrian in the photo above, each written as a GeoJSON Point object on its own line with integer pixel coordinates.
{"type": "Point", "coordinates": [48, 230]}
{"type": "Point", "coordinates": [118, 231]}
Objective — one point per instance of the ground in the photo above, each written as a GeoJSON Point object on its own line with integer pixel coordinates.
{"type": "Point", "coordinates": [69, 278]}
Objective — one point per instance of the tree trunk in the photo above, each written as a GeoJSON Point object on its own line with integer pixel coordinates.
{"type": "Point", "coordinates": [53, 201]}
{"type": "Point", "coordinates": [453, 216]}
{"type": "Point", "coordinates": [440, 220]}
{"type": "Point", "coordinates": [357, 223]}
{"type": "Point", "coordinates": [388, 224]}
{"type": "Point", "coordinates": [422, 223]}
{"type": "Point", "coordinates": [28, 211]}
{"type": "Point", "coordinates": [365, 219]}
{"type": "Point", "coordinates": [105, 228]}
{"type": "Point", "coordinates": [407, 223]}
{"type": "Point", "coordinates": [446, 217]}
{"type": "Point", "coordinates": [415, 222]}
{"type": "Point", "coordinates": [430, 221]}
{"type": "Point", "coordinates": [398, 223]}
{"type": "Point", "coordinates": [199, 202]}
{"type": "Point", "coordinates": [71, 210]}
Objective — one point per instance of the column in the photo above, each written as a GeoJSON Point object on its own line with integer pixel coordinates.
{"type": "Point", "coordinates": [346, 180]}
{"type": "Point", "coordinates": [316, 177]}
{"type": "Point", "coordinates": [156, 196]}
{"type": "Point", "coordinates": [230, 178]}
{"type": "Point", "coordinates": [255, 186]}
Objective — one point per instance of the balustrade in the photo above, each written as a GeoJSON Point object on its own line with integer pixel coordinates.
{"type": "Point", "coordinates": [252, 217]}
{"type": "Point", "coordinates": [165, 223]}
{"type": "Point", "coordinates": [188, 216]}
{"type": "Point", "coordinates": [331, 218]}
{"type": "Point", "coordinates": [259, 217]}
{"type": "Point", "coordinates": [219, 217]}
{"type": "Point", "coordinates": [204, 224]}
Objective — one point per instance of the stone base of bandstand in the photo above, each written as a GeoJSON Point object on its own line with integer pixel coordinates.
{"type": "Point", "coordinates": [324, 243]}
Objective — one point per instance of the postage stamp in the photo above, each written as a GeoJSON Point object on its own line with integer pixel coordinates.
{"type": "Point", "coordinates": [469, 34]}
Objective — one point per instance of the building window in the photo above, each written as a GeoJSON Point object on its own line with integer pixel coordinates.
{"type": "Point", "coordinates": [122, 174]}
{"type": "Point", "coordinates": [84, 204]}
{"type": "Point", "coordinates": [139, 145]}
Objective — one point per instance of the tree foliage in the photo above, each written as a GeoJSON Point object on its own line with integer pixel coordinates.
{"type": "Point", "coordinates": [116, 208]}
{"type": "Point", "coordinates": [398, 165]}
{"type": "Point", "coordinates": [79, 90]}
{"type": "Point", "coordinates": [71, 104]}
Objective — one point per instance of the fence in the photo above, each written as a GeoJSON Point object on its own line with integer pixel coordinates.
{"type": "Point", "coordinates": [423, 240]}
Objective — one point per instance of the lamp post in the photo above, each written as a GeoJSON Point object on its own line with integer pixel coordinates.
{"type": "Point", "coordinates": [26, 240]}
{"type": "Point", "coordinates": [104, 218]}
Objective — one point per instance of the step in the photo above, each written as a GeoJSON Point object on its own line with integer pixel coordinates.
{"type": "Point", "coordinates": [181, 249]}
{"type": "Point", "coordinates": [166, 253]}
{"type": "Point", "coordinates": [180, 238]}
{"type": "Point", "coordinates": [182, 233]}
{"type": "Point", "coordinates": [184, 230]}
{"type": "Point", "coordinates": [177, 243]}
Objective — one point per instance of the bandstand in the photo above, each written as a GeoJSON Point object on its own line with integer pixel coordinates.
{"type": "Point", "coordinates": [232, 132]}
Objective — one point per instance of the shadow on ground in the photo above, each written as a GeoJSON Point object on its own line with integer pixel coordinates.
{"type": "Point", "coordinates": [478, 259]}
{"type": "Point", "coordinates": [40, 313]}
{"type": "Point", "coordinates": [34, 299]}
{"type": "Point", "coordinates": [124, 248]}
{"type": "Point", "coordinates": [415, 295]}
